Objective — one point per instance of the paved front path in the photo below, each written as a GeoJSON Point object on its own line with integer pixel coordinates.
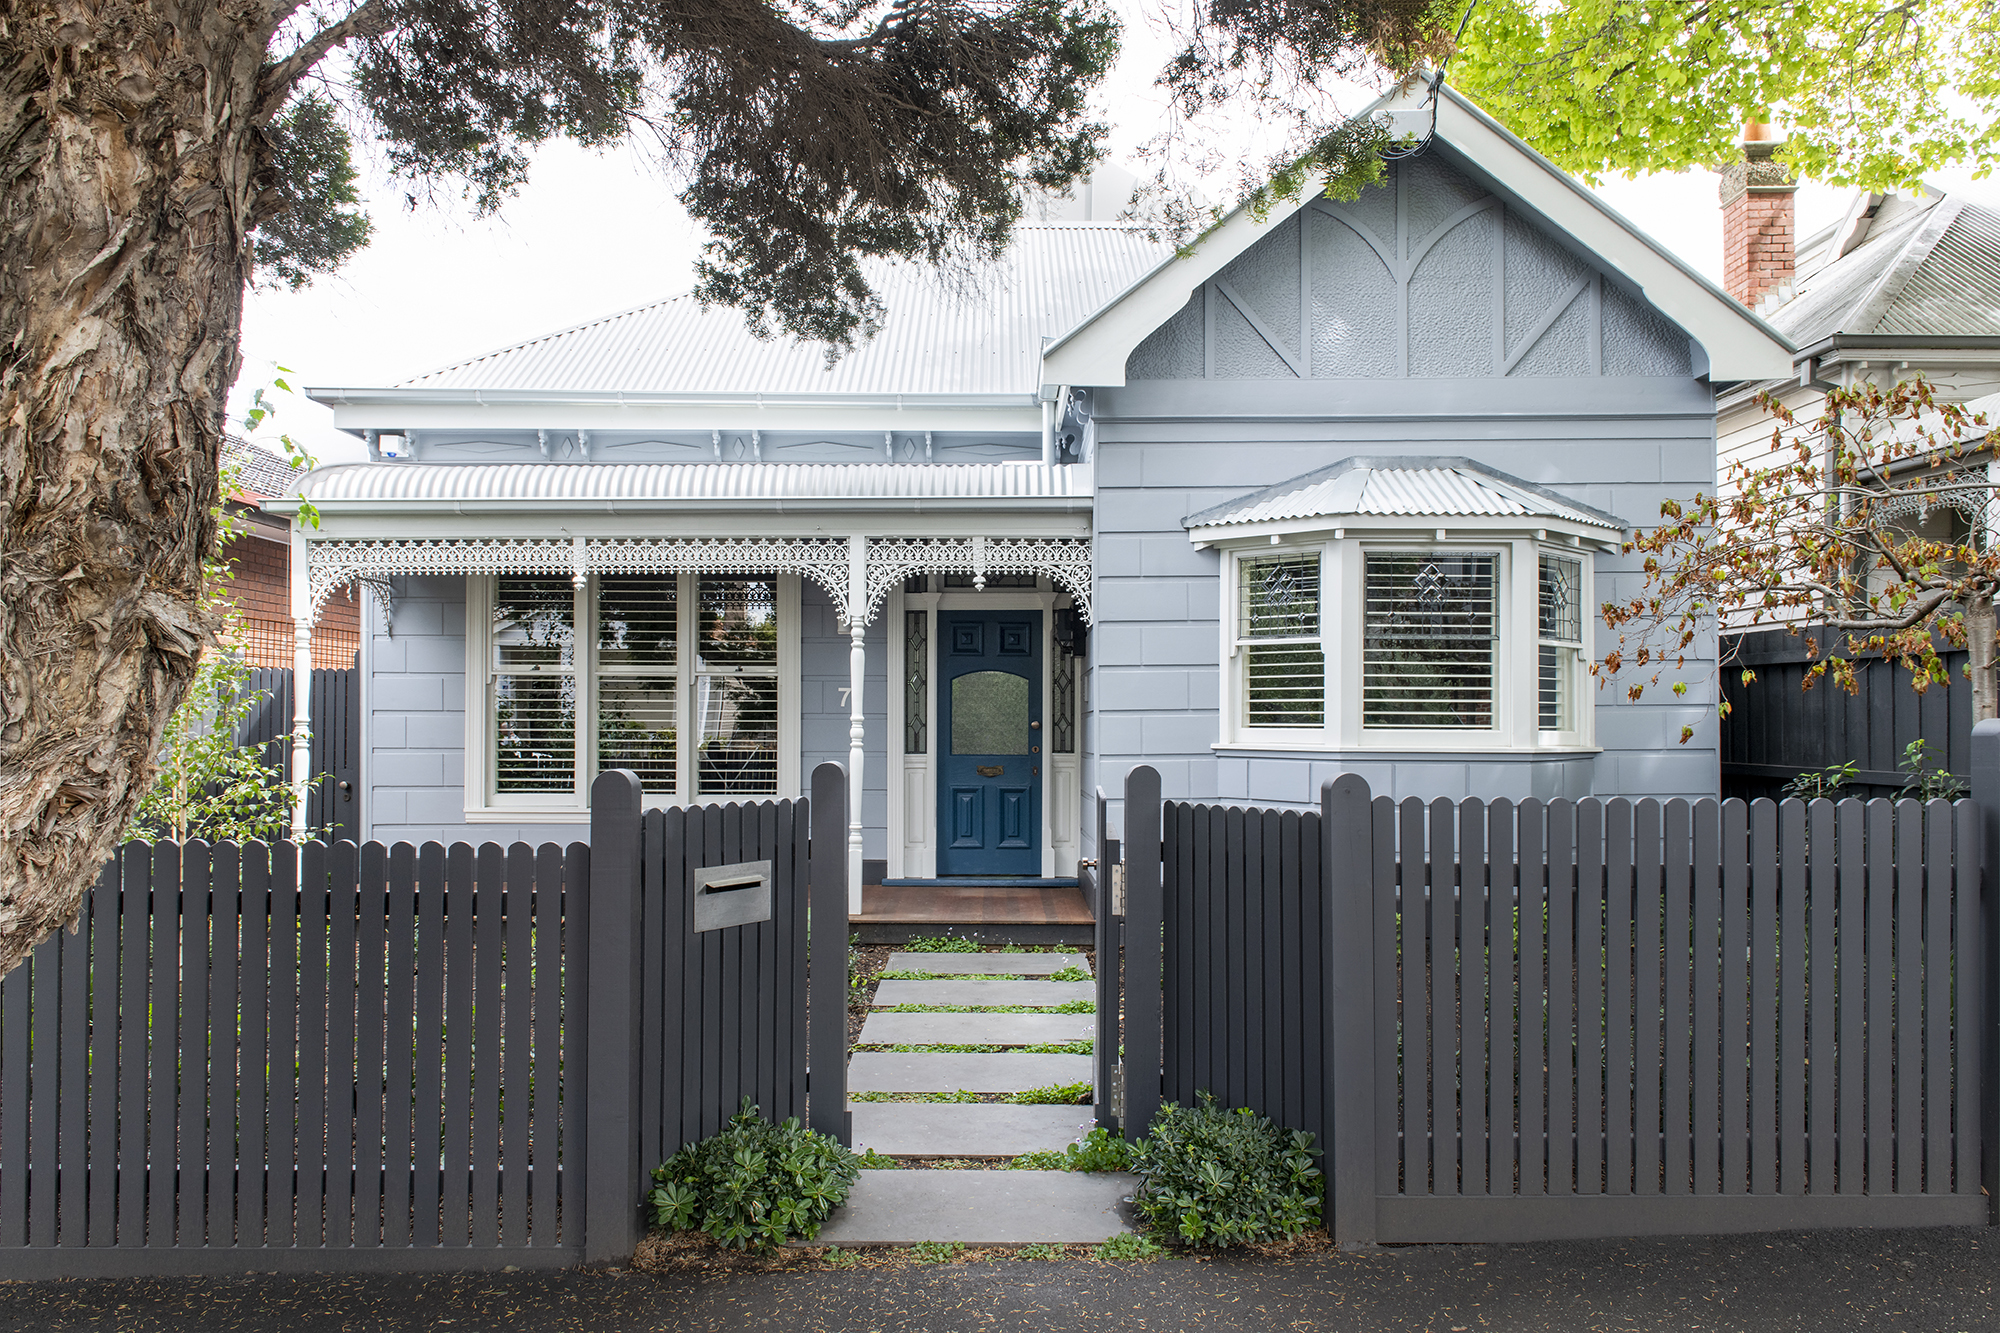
{"type": "Point", "coordinates": [1939, 1281]}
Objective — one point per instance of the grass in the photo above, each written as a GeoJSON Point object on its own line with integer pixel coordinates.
{"type": "Point", "coordinates": [1053, 1094]}
{"type": "Point", "coordinates": [942, 944]}
{"type": "Point", "coordinates": [904, 974]}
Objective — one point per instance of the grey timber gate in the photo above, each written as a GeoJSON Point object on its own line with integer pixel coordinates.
{"type": "Point", "coordinates": [335, 1059]}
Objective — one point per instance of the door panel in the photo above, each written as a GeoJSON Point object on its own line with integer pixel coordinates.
{"type": "Point", "coordinates": [989, 685]}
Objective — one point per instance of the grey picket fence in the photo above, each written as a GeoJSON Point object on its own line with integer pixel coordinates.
{"type": "Point", "coordinates": [327, 1059]}
{"type": "Point", "coordinates": [1588, 1018]}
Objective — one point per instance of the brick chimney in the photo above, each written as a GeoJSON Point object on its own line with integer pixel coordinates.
{"type": "Point", "coordinates": [1759, 247]}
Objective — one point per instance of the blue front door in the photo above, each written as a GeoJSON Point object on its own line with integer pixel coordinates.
{"type": "Point", "coordinates": [990, 746]}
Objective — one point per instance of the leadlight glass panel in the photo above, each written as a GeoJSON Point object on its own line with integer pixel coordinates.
{"type": "Point", "coordinates": [916, 681]}
{"type": "Point", "coordinates": [1278, 620]}
{"type": "Point", "coordinates": [1062, 691]}
{"type": "Point", "coordinates": [1430, 639]}
{"type": "Point", "coordinates": [989, 713]}
{"type": "Point", "coordinates": [1560, 631]}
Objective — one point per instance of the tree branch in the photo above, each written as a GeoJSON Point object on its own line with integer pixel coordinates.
{"type": "Point", "coordinates": [278, 78]}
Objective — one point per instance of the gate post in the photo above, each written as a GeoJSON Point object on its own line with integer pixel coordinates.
{"type": "Point", "coordinates": [1986, 794]}
{"type": "Point", "coordinates": [613, 1175]}
{"type": "Point", "coordinates": [1347, 862]}
{"type": "Point", "coordinates": [1143, 912]}
{"type": "Point", "coordinates": [826, 1080]}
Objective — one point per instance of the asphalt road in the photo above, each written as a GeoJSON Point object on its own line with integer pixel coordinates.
{"type": "Point", "coordinates": [1932, 1281]}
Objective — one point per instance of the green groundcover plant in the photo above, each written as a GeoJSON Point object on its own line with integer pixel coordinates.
{"type": "Point", "coordinates": [755, 1185]}
{"type": "Point", "coordinates": [1215, 1177]}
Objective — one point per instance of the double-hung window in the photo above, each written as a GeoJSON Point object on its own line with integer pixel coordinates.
{"type": "Point", "coordinates": [679, 677]}
{"type": "Point", "coordinates": [1278, 641]}
{"type": "Point", "coordinates": [1430, 640]}
{"type": "Point", "coordinates": [1559, 643]}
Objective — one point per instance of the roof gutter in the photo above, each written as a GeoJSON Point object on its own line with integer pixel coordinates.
{"type": "Point", "coordinates": [349, 397]}
{"type": "Point", "coordinates": [1058, 504]}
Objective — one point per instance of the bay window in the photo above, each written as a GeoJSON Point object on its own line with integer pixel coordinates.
{"type": "Point", "coordinates": [677, 677]}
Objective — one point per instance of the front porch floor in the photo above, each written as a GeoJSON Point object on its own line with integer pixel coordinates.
{"type": "Point", "coordinates": [898, 913]}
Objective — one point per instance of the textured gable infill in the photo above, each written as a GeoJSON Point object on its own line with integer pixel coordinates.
{"type": "Point", "coordinates": [1413, 486]}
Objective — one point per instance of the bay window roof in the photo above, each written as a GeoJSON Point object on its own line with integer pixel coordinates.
{"type": "Point", "coordinates": [1376, 492]}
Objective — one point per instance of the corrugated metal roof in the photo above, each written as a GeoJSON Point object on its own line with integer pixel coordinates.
{"type": "Point", "coordinates": [418, 484]}
{"type": "Point", "coordinates": [976, 333]}
{"type": "Point", "coordinates": [1415, 487]}
{"type": "Point", "coordinates": [1933, 271]}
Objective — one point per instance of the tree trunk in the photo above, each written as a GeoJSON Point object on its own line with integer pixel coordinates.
{"type": "Point", "coordinates": [130, 151]}
{"type": "Point", "coordinates": [1979, 640]}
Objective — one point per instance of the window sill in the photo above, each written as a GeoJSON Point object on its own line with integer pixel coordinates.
{"type": "Point", "coordinates": [567, 814]}
{"type": "Point", "coordinates": [1405, 753]}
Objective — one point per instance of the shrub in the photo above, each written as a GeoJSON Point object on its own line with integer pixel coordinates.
{"type": "Point", "coordinates": [1095, 1151]}
{"type": "Point", "coordinates": [755, 1185]}
{"type": "Point", "coordinates": [1055, 1094]}
{"type": "Point", "coordinates": [1217, 1177]}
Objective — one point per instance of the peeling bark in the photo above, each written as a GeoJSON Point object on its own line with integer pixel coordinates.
{"type": "Point", "coordinates": [130, 149]}
{"type": "Point", "coordinates": [1979, 637]}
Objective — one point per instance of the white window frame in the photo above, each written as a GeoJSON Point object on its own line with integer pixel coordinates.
{"type": "Point", "coordinates": [1343, 553]}
{"type": "Point", "coordinates": [484, 804]}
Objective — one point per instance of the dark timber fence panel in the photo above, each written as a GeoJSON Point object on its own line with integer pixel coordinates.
{"type": "Point", "coordinates": [1777, 729]}
{"type": "Point", "coordinates": [335, 799]}
{"type": "Point", "coordinates": [1597, 1017]}
{"type": "Point", "coordinates": [237, 1058]}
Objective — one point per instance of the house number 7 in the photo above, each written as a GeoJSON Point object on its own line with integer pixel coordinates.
{"type": "Point", "coordinates": [846, 693]}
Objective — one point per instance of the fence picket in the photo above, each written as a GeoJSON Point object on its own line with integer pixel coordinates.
{"type": "Point", "coordinates": [253, 1170]}
{"type": "Point", "coordinates": [1502, 1017]}
{"type": "Point", "coordinates": [1268, 978]}
{"type": "Point", "coordinates": [1474, 900]}
{"type": "Point", "coordinates": [45, 1071]}
{"type": "Point", "coordinates": [1733, 1049]}
{"type": "Point", "coordinates": [192, 1104]}
{"type": "Point", "coordinates": [1968, 997]}
{"type": "Point", "coordinates": [224, 1027]}
{"type": "Point", "coordinates": [1417, 1104]}
{"type": "Point", "coordinates": [1850, 1042]}
{"type": "Point", "coordinates": [1619, 1048]}
{"type": "Point", "coordinates": [1533, 894]}
{"type": "Point", "coordinates": [1677, 1000]}
{"type": "Point", "coordinates": [161, 1126]}
{"type": "Point", "coordinates": [483, 1064]}
{"type": "Point", "coordinates": [16, 1077]}
{"type": "Point", "coordinates": [545, 1143]}
{"type": "Point", "coordinates": [514, 1056]}
{"type": "Point", "coordinates": [1445, 1076]}
{"type": "Point", "coordinates": [1791, 995]}
{"type": "Point", "coordinates": [399, 1034]}
{"type": "Point", "coordinates": [1386, 959]}
{"type": "Point", "coordinates": [135, 948]}
{"type": "Point", "coordinates": [1822, 1001]}
{"type": "Point", "coordinates": [1881, 1088]}
{"type": "Point", "coordinates": [343, 1070]}
{"type": "Point", "coordinates": [1909, 996]}
{"type": "Point", "coordinates": [282, 1140]}
{"type": "Point", "coordinates": [1590, 1001]}
{"type": "Point", "coordinates": [455, 1178]}
{"type": "Point", "coordinates": [371, 944]}
{"type": "Point", "coordinates": [427, 1098]}
{"type": "Point", "coordinates": [1648, 998]}
{"type": "Point", "coordinates": [1937, 997]}
{"type": "Point", "coordinates": [102, 1157]}
{"type": "Point", "coordinates": [1562, 997]}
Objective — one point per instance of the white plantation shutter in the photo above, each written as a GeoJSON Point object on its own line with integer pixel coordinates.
{"type": "Point", "coordinates": [736, 687]}
{"type": "Point", "coordinates": [638, 686]}
{"type": "Point", "coordinates": [1278, 634]}
{"type": "Point", "coordinates": [534, 685]}
{"type": "Point", "coordinates": [1430, 639]}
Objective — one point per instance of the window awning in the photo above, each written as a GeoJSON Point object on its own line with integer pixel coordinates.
{"type": "Point", "coordinates": [1377, 493]}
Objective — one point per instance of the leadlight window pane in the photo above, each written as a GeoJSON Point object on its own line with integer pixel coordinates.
{"type": "Point", "coordinates": [1560, 629]}
{"type": "Point", "coordinates": [638, 620]}
{"type": "Point", "coordinates": [1062, 727]}
{"type": "Point", "coordinates": [1430, 639]}
{"type": "Point", "coordinates": [1279, 597]}
{"type": "Point", "coordinates": [638, 727]}
{"type": "Point", "coordinates": [738, 754]}
{"type": "Point", "coordinates": [534, 623]}
{"type": "Point", "coordinates": [1277, 626]}
{"type": "Point", "coordinates": [916, 681]}
{"type": "Point", "coordinates": [739, 621]}
{"type": "Point", "coordinates": [534, 720]}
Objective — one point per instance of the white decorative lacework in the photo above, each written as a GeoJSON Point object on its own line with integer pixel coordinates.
{"type": "Point", "coordinates": [1066, 560]}
{"type": "Point", "coordinates": [334, 564]}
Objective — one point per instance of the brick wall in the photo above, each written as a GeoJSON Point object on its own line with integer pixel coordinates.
{"type": "Point", "coordinates": [1759, 247]}
{"type": "Point", "coordinates": [260, 590]}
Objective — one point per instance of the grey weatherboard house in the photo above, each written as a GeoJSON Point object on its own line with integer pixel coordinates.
{"type": "Point", "coordinates": [1339, 490]}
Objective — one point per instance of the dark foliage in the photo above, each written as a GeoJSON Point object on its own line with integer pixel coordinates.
{"type": "Point", "coordinates": [755, 1185]}
{"type": "Point", "coordinates": [1216, 1177]}
{"type": "Point", "coordinates": [316, 222]}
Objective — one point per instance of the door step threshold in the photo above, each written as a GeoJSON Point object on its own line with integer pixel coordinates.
{"type": "Point", "coordinates": [982, 882]}
{"type": "Point", "coordinates": [1034, 935]}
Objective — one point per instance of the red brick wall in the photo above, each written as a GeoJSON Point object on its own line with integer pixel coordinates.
{"type": "Point", "coordinates": [261, 591]}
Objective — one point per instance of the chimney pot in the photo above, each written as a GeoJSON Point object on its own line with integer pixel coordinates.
{"type": "Point", "coordinates": [1758, 252]}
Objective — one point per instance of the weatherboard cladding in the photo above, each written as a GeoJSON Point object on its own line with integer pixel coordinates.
{"type": "Point", "coordinates": [977, 331]}
{"type": "Point", "coordinates": [1373, 489]}
{"type": "Point", "coordinates": [417, 482]}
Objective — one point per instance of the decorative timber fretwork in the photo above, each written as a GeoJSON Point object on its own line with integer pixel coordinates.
{"type": "Point", "coordinates": [1065, 560]}
{"type": "Point", "coordinates": [334, 564]}
{"type": "Point", "coordinates": [826, 561]}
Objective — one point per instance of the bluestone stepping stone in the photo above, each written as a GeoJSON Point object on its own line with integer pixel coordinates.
{"type": "Point", "coordinates": [1050, 993]}
{"type": "Point", "coordinates": [1005, 964]}
{"type": "Point", "coordinates": [883, 1029]}
{"type": "Point", "coordinates": [981, 1208]}
{"type": "Point", "coordinates": [870, 1071]}
{"type": "Point", "coordinates": [967, 1129]}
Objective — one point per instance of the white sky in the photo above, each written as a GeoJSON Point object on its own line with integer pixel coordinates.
{"type": "Point", "coordinates": [593, 234]}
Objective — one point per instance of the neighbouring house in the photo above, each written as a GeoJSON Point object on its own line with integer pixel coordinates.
{"type": "Point", "coordinates": [1337, 488]}
{"type": "Point", "coordinates": [1902, 285]}
{"type": "Point", "coordinates": [260, 558]}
